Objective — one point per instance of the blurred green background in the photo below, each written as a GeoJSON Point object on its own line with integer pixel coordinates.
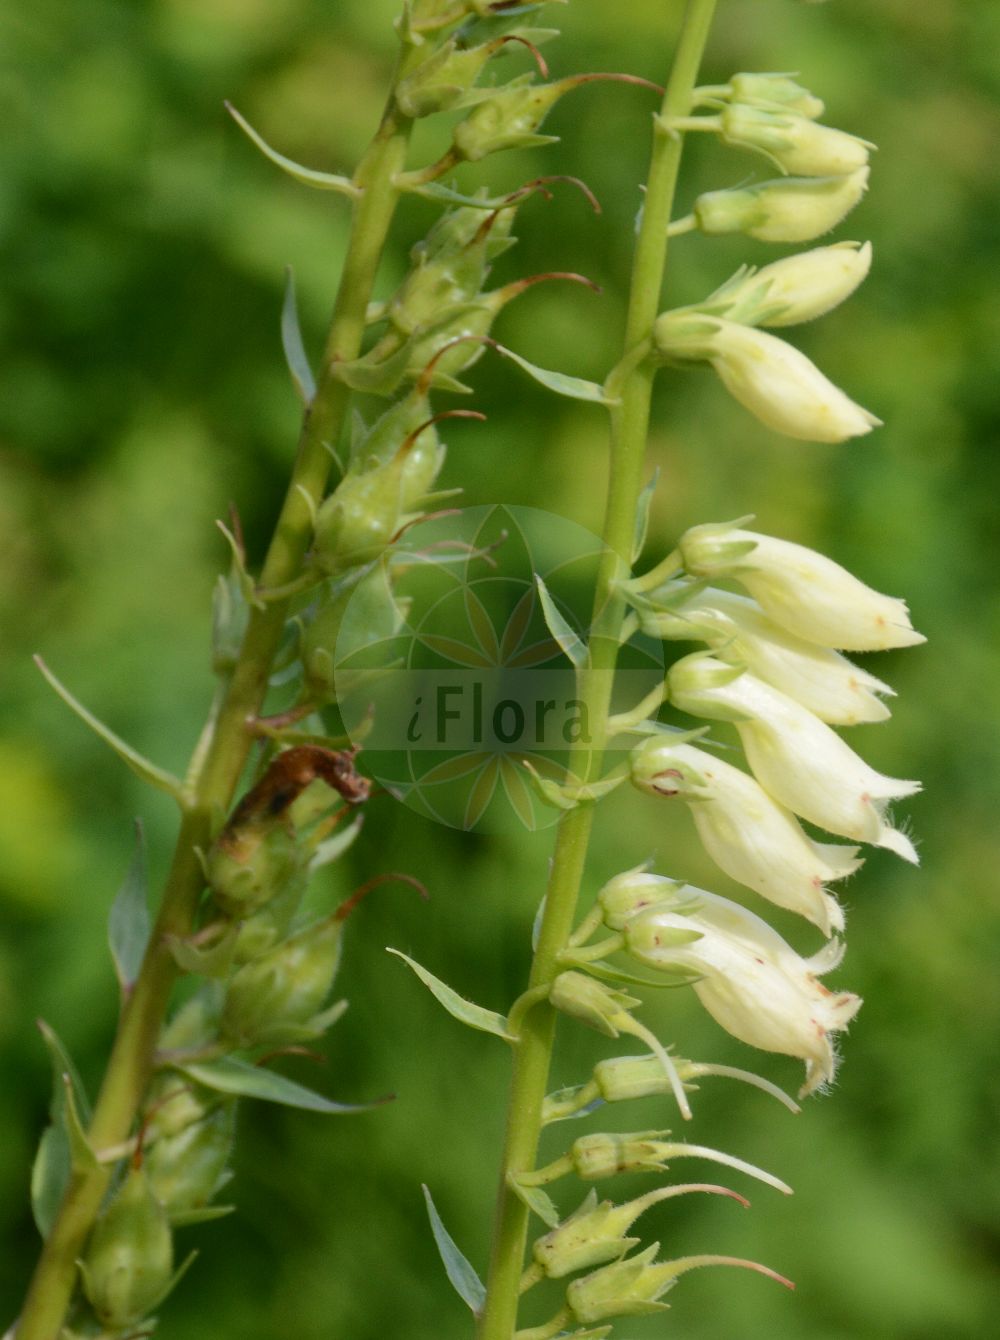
{"type": "Point", "coordinates": [142, 389]}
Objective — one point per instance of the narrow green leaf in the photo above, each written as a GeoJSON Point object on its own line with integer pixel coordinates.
{"type": "Point", "coordinates": [461, 1274]}
{"type": "Point", "coordinates": [621, 977]}
{"type": "Point", "coordinates": [142, 767]}
{"type": "Point", "coordinates": [322, 181]}
{"type": "Point", "coordinates": [570, 641]}
{"type": "Point", "coordinates": [291, 342]}
{"type": "Point", "coordinates": [487, 1021]}
{"type": "Point", "coordinates": [129, 921]}
{"type": "Point", "coordinates": [573, 388]}
{"type": "Point", "coordinates": [62, 1064]}
{"type": "Point", "coordinates": [231, 1075]}
{"type": "Point", "coordinates": [642, 515]}
{"type": "Point", "coordinates": [537, 1200]}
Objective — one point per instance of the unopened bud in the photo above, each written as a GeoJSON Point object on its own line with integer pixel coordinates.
{"type": "Point", "coordinates": [796, 143]}
{"type": "Point", "coordinates": [510, 119]}
{"type": "Point", "coordinates": [355, 524]}
{"type": "Point", "coordinates": [799, 288]}
{"type": "Point", "coordinates": [790, 209]}
{"type": "Point", "coordinates": [586, 999]}
{"type": "Point", "coordinates": [632, 892]}
{"type": "Point", "coordinates": [775, 90]}
{"type": "Point", "coordinates": [249, 864]}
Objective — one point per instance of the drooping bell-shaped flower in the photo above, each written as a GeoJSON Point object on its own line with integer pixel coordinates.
{"type": "Point", "coordinates": [752, 982]}
{"type": "Point", "coordinates": [751, 837]}
{"type": "Point", "coordinates": [796, 757]}
{"type": "Point", "coordinates": [739, 632]}
{"type": "Point", "coordinates": [803, 591]}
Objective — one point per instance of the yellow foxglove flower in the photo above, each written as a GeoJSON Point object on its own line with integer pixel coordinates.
{"type": "Point", "coordinates": [752, 982]}
{"type": "Point", "coordinates": [738, 631]}
{"type": "Point", "coordinates": [796, 143]}
{"type": "Point", "coordinates": [751, 837]}
{"type": "Point", "coordinates": [796, 757]}
{"type": "Point", "coordinates": [798, 288]}
{"type": "Point", "coordinates": [803, 591]}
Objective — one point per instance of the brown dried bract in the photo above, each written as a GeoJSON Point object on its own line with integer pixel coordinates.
{"type": "Point", "coordinates": [288, 776]}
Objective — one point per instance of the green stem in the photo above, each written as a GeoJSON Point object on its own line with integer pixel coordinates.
{"type": "Point", "coordinates": [224, 753]}
{"type": "Point", "coordinates": [629, 425]}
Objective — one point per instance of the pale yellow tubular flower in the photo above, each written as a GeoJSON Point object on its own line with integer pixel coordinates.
{"type": "Point", "coordinates": [779, 385]}
{"type": "Point", "coordinates": [753, 983]}
{"type": "Point", "coordinates": [747, 834]}
{"type": "Point", "coordinates": [837, 691]}
{"type": "Point", "coordinates": [796, 757]}
{"type": "Point", "coordinates": [803, 591]}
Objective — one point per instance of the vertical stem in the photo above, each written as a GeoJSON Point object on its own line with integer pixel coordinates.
{"type": "Point", "coordinates": [129, 1066]}
{"type": "Point", "coordinates": [629, 424]}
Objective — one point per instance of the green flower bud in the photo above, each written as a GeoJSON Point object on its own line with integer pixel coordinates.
{"type": "Point", "coordinates": [360, 610]}
{"type": "Point", "coordinates": [620, 1078]}
{"type": "Point", "coordinates": [450, 267]}
{"type": "Point", "coordinates": [775, 89]}
{"type": "Point", "coordinates": [605, 1155]}
{"type": "Point", "coordinates": [791, 209]}
{"type": "Point", "coordinates": [187, 1169]}
{"type": "Point", "coordinates": [129, 1261]}
{"type": "Point", "coordinates": [174, 1103]}
{"type": "Point", "coordinates": [625, 1289]}
{"type": "Point", "coordinates": [631, 892]}
{"type": "Point", "coordinates": [586, 999]}
{"type": "Point", "coordinates": [274, 996]}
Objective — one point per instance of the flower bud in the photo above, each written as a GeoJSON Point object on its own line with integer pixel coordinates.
{"type": "Point", "coordinates": [129, 1260]}
{"type": "Point", "coordinates": [450, 267]}
{"type": "Point", "coordinates": [752, 982]}
{"type": "Point", "coordinates": [359, 610]}
{"type": "Point", "coordinates": [187, 1169]}
{"type": "Point", "coordinates": [795, 757]}
{"type": "Point", "coordinates": [775, 90]}
{"type": "Point", "coordinates": [751, 837]}
{"type": "Point", "coordinates": [804, 592]}
{"type": "Point", "coordinates": [600, 1155]}
{"type": "Point", "coordinates": [799, 288]}
{"type": "Point", "coordinates": [797, 144]}
{"type": "Point", "coordinates": [273, 997]}
{"type": "Point", "coordinates": [791, 209]}
{"type": "Point", "coordinates": [772, 379]}
{"type": "Point", "coordinates": [584, 998]}
{"type": "Point", "coordinates": [173, 1104]}
{"type": "Point", "coordinates": [632, 892]}
{"type": "Point", "coordinates": [739, 632]}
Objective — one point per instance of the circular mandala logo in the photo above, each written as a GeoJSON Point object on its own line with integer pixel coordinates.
{"type": "Point", "coordinates": [456, 664]}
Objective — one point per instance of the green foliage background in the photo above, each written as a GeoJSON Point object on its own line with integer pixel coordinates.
{"type": "Point", "coordinates": [142, 389]}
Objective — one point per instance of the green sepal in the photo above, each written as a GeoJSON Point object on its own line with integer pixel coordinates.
{"type": "Point", "coordinates": [291, 342]}
{"type": "Point", "coordinates": [129, 922]}
{"type": "Point", "coordinates": [461, 1273]}
{"type": "Point", "coordinates": [332, 848]}
{"type": "Point", "coordinates": [475, 1016]}
{"type": "Point", "coordinates": [142, 767]}
{"type": "Point", "coordinates": [175, 1278]}
{"type": "Point", "coordinates": [642, 515]}
{"type": "Point", "coordinates": [537, 1200]}
{"type": "Point", "coordinates": [204, 1214]}
{"type": "Point", "coordinates": [569, 640]}
{"type": "Point", "coordinates": [321, 181]}
{"type": "Point", "coordinates": [561, 383]}
{"type": "Point", "coordinates": [622, 977]}
{"type": "Point", "coordinates": [361, 374]}
{"type": "Point", "coordinates": [215, 961]}
{"type": "Point", "coordinates": [231, 1075]}
{"type": "Point", "coordinates": [568, 797]}
{"type": "Point", "coordinates": [247, 585]}
{"type": "Point", "coordinates": [53, 1163]}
